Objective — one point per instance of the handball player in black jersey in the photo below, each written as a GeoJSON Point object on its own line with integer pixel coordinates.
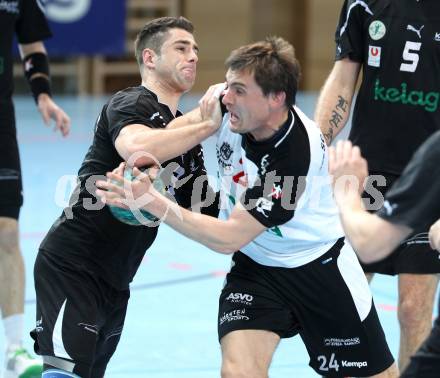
{"type": "Point", "coordinates": [406, 210]}
{"type": "Point", "coordinates": [89, 257]}
{"type": "Point", "coordinates": [396, 44]}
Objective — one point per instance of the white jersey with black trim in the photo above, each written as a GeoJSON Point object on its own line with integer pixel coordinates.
{"type": "Point", "coordinates": [296, 236]}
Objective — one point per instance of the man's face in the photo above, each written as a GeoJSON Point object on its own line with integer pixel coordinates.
{"type": "Point", "coordinates": [249, 109]}
{"type": "Point", "coordinates": [176, 64]}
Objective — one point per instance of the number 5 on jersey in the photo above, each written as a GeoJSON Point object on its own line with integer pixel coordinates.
{"type": "Point", "coordinates": [410, 56]}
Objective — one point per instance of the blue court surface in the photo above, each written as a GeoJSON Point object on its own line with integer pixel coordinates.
{"type": "Point", "coordinates": [170, 330]}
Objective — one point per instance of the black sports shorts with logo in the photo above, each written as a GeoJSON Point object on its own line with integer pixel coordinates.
{"type": "Point", "coordinates": [11, 198]}
{"type": "Point", "coordinates": [414, 255]}
{"type": "Point", "coordinates": [79, 317]}
{"type": "Point", "coordinates": [327, 302]}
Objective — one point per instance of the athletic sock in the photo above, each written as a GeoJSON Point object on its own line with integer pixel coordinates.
{"type": "Point", "coordinates": [13, 326]}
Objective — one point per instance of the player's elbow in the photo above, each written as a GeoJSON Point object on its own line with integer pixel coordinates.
{"type": "Point", "coordinates": [229, 247]}
{"type": "Point", "coordinates": [364, 256]}
{"type": "Point", "coordinates": [367, 251]}
{"type": "Point", "coordinates": [138, 155]}
{"type": "Point", "coordinates": [224, 249]}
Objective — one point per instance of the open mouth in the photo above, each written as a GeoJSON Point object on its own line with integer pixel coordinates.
{"type": "Point", "coordinates": [233, 117]}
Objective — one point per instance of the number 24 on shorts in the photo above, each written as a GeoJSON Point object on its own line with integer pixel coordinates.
{"type": "Point", "coordinates": [332, 363]}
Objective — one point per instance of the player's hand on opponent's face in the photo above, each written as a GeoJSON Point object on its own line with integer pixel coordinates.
{"type": "Point", "coordinates": [348, 169]}
{"type": "Point", "coordinates": [122, 192]}
{"type": "Point", "coordinates": [210, 104]}
{"type": "Point", "coordinates": [49, 110]}
{"type": "Point", "coordinates": [434, 236]}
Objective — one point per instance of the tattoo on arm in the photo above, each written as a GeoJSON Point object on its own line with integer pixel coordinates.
{"type": "Point", "coordinates": [337, 117]}
{"type": "Point", "coordinates": [329, 136]}
{"type": "Point", "coordinates": [342, 104]}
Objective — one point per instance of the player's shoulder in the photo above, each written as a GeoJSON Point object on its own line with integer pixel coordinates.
{"type": "Point", "coordinates": [134, 98]}
{"type": "Point", "coordinates": [367, 3]}
{"type": "Point", "coordinates": [133, 94]}
{"type": "Point", "coordinates": [310, 125]}
{"type": "Point", "coordinates": [369, 7]}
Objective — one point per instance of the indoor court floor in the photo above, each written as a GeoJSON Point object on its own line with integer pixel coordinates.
{"type": "Point", "coordinates": [170, 330]}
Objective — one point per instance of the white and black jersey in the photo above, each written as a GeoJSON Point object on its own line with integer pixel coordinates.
{"type": "Point", "coordinates": [414, 199]}
{"type": "Point", "coordinates": [282, 280]}
{"type": "Point", "coordinates": [397, 108]}
{"type": "Point", "coordinates": [284, 184]}
{"type": "Point", "coordinates": [87, 232]}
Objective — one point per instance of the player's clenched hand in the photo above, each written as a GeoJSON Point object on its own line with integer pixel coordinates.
{"type": "Point", "coordinates": [346, 160]}
{"type": "Point", "coordinates": [122, 192]}
{"type": "Point", "coordinates": [348, 170]}
{"type": "Point", "coordinates": [210, 104]}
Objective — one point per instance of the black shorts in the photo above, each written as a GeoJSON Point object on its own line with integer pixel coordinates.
{"type": "Point", "coordinates": [426, 362]}
{"type": "Point", "coordinates": [11, 198]}
{"type": "Point", "coordinates": [79, 317]}
{"type": "Point", "coordinates": [328, 302]}
{"type": "Point", "coordinates": [413, 256]}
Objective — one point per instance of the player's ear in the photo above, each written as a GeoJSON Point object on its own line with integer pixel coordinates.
{"type": "Point", "coordinates": [148, 58]}
{"type": "Point", "coordinates": [278, 98]}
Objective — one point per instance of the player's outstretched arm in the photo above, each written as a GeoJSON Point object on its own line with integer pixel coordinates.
{"type": "Point", "coordinates": [372, 237]}
{"type": "Point", "coordinates": [222, 236]}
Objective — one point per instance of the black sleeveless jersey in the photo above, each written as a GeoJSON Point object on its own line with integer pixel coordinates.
{"type": "Point", "coordinates": [397, 107]}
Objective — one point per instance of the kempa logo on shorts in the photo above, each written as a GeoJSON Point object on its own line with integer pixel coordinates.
{"type": "Point", "coordinates": [358, 364]}
{"type": "Point", "coordinates": [402, 95]}
{"type": "Point", "coordinates": [233, 315]}
{"type": "Point", "coordinates": [245, 299]}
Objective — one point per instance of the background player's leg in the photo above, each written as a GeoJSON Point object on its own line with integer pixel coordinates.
{"type": "Point", "coordinates": [416, 301]}
{"type": "Point", "coordinates": [17, 359]}
{"type": "Point", "coordinates": [247, 353]}
{"type": "Point", "coordinates": [11, 269]}
{"type": "Point", "coordinates": [426, 362]}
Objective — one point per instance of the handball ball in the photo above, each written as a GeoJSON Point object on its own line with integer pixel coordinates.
{"type": "Point", "coordinates": [137, 218]}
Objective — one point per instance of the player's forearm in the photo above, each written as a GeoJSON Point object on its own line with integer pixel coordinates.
{"type": "Point", "coordinates": [187, 119]}
{"type": "Point", "coordinates": [211, 232]}
{"type": "Point", "coordinates": [372, 237]}
{"type": "Point", "coordinates": [355, 222]}
{"type": "Point", "coordinates": [31, 48]}
{"type": "Point", "coordinates": [334, 103]}
{"type": "Point", "coordinates": [163, 144]}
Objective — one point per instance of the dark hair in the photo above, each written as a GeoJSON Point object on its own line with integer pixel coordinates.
{"type": "Point", "coordinates": [273, 63]}
{"type": "Point", "coordinates": [153, 34]}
